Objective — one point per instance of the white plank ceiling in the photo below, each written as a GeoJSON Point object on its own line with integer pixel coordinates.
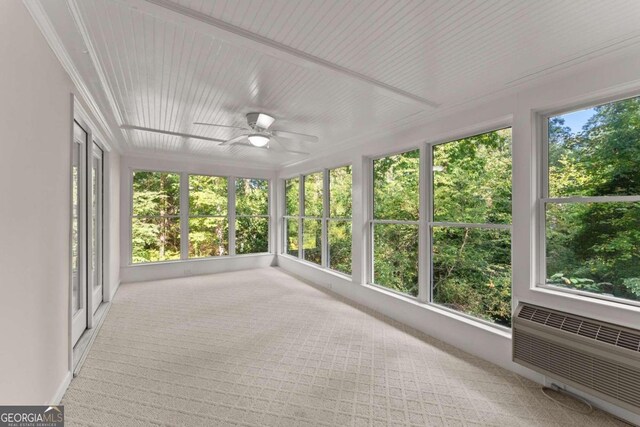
{"type": "Point", "coordinates": [165, 70]}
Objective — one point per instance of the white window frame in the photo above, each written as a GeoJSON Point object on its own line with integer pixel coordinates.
{"type": "Point", "coordinates": [286, 217]}
{"type": "Point", "coordinates": [328, 217]}
{"type": "Point", "coordinates": [487, 226]}
{"type": "Point", "coordinates": [324, 219]}
{"type": "Point", "coordinates": [303, 217]}
{"type": "Point", "coordinates": [233, 213]}
{"type": "Point", "coordinates": [419, 223]}
{"type": "Point", "coordinates": [184, 215]}
{"type": "Point", "coordinates": [543, 199]}
{"type": "Point", "coordinates": [231, 203]}
{"type": "Point", "coordinates": [132, 216]}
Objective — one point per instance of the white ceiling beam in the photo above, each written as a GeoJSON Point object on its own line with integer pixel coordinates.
{"type": "Point", "coordinates": [180, 15]}
{"type": "Point", "coordinates": [166, 132]}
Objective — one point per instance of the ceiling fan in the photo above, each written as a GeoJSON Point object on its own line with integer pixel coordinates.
{"type": "Point", "coordinates": [261, 135]}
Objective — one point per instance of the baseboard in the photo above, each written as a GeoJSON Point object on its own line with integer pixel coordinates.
{"type": "Point", "coordinates": [62, 389]}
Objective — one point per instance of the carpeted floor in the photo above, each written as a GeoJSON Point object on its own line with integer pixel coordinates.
{"type": "Point", "coordinates": [261, 348]}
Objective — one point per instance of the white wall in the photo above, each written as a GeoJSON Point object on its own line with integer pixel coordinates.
{"type": "Point", "coordinates": [609, 77]}
{"type": "Point", "coordinates": [35, 191]}
{"type": "Point", "coordinates": [171, 269]}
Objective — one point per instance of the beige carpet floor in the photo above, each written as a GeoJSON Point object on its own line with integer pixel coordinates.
{"type": "Point", "coordinates": [260, 348]}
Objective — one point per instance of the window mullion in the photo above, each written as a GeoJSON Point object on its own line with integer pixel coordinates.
{"type": "Point", "coordinates": [184, 216]}
{"type": "Point", "coordinates": [325, 214]}
{"type": "Point", "coordinates": [301, 213]}
{"type": "Point", "coordinates": [231, 213]}
{"type": "Point", "coordinates": [426, 217]}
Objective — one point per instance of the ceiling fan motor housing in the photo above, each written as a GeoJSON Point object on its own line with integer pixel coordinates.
{"type": "Point", "coordinates": [259, 121]}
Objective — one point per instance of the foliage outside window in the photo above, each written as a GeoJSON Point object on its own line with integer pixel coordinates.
{"type": "Point", "coordinates": [339, 220]}
{"type": "Point", "coordinates": [292, 216]}
{"type": "Point", "coordinates": [470, 232]}
{"type": "Point", "coordinates": [321, 215]}
{"type": "Point", "coordinates": [252, 215]}
{"type": "Point", "coordinates": [155, 222]}
{"type": "Point", "coordinates": [208, 216]}
{"type": "Point", "coordinates": [395, 222]}
{"type": "Point", "coordinates": [312, 218]}
{"type": "Point", "coordinates": [591, 203]}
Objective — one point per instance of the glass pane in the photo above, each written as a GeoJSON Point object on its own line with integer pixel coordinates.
{"type": "Point", "coordinates": [472, 272]}
{"type": "Point", "coordinates": [340, 192]}
{"type": "Point", "coordinates": [313, 195]}
{"type": "Point", "coordinates": [472, 179]}
{"type": "Point", "coordinates": [340, 246]}
{"type": "Point", "coordinates": [291, 231]}
{"type": "Point", "coordinates": [395, 257]}
{"type": "Point", "coordinates": [79, 134]}
{"type": "Point", "coordinates": [395, 186]}
{"type": "Point", "coordinates": [156, 193]}
{"type": "Point", "coordinates": [208, 237]}
{"type": "Point", "coordinates": [292, 190]}
{"type": "Point", "coordinates": [594, 247]}
{"type": "Point", "coordinates": [95, 200]}
{"type": "Point", "coordinates": [252, 235]}
{"type": "Point", "coordinates": [596, 151]}
{"type": "Point", "coordinates": [312, 240]}
{"type": "Point", "coordinates": [207, 195]}
{"type": "Point", "coordinates": [252, 196]}
{"type": "Point", "coordinates": [155, 239]}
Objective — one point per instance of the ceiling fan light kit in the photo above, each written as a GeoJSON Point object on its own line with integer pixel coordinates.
{"type": "Point", "coordinates": [258, 140]}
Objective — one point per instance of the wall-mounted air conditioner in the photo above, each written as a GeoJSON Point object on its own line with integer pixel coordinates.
{"type": "Point", "coordinates": [598, 358]}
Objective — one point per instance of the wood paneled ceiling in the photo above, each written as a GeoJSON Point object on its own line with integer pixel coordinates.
{"type": "Point", "coordinates": [335, 68]}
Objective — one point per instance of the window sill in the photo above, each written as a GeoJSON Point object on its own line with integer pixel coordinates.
{"type": "Point", "coordinates": [317, 267]}
{"type": "Point", "coordinates": [467, 319]}
{"type": "Point", "coordinates": [494, 329]}
{"type": "Point", "coordinates": [211, 258]}
{"type": "Point", "coordinates": [596, 299]}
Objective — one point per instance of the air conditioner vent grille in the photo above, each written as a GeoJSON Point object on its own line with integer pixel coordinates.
{"type": "Point", "coordinates": [612, 379]}
{"type": "Point", "coordinates": [629, 341]}
{"type": "Point", "coordinates": [578, 326]}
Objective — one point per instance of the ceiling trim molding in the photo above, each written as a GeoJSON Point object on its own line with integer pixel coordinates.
{"type": "Point", "coordinates": [200, 159]}
{"type": "Point", "coordinates": [51, 36]}
{"type": "Point", "coordinates": [84, 33]}
{"type": "Point", "coordinates": [166, 132]}
{"type": "Point", "coordinates": [182, 15]}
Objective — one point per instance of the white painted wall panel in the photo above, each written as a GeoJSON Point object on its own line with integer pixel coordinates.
{"type": "Point", "coordinates": [35, 149]}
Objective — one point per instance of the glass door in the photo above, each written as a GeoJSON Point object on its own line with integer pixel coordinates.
{"type": "Point", "coordinates": [78, 264]}
{"type": "Point", "coordinates": [95, 236]}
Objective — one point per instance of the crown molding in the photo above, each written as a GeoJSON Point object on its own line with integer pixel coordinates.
{"type": "Point", "coordinates": [199, 159]}
{"type": "Point", "coordinates": [84, 33]}
{"type": "Point", "coordinates": [102, 129]}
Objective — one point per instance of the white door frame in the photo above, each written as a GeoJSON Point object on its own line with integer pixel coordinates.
{"type": "Point", "coordinates": [92, 302]}
{"type": "Point", "coordinates": [79, 319]}
{"type": "Point", "coordinates": [96, 291]}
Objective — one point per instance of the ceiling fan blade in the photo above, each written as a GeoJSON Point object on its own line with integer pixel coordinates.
{"type": "Point", "coordinates": [282, 147]}
{"type": "Point", "coordinates": [234, 140]}
{"type": "Point", "coordinates": [220, 126]}
{"type": "Point", "coordinates": [294, 135]}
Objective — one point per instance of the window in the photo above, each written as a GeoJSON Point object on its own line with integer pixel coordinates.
{"type": "Point", "coordinates": [471, 226]}
{"type": "Point", "coordinates": [590, 207]}
{"type": "Point", "coordinates": [252, 216]}
{"type": "Point", "coordinates": [319, 224]}
{"type": "Point", "coordinates": [155, 223]}
{"type": "Point", "coordinates": [292, 216]}
{"type": "Point", "coordinates": [395, 222]}
{"type": "Point", "coordinates": [208, 216]}
{"type": "Point", "coordinates": [312, 218]}
{"type": "Point", "coordinates": [339, 220]}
